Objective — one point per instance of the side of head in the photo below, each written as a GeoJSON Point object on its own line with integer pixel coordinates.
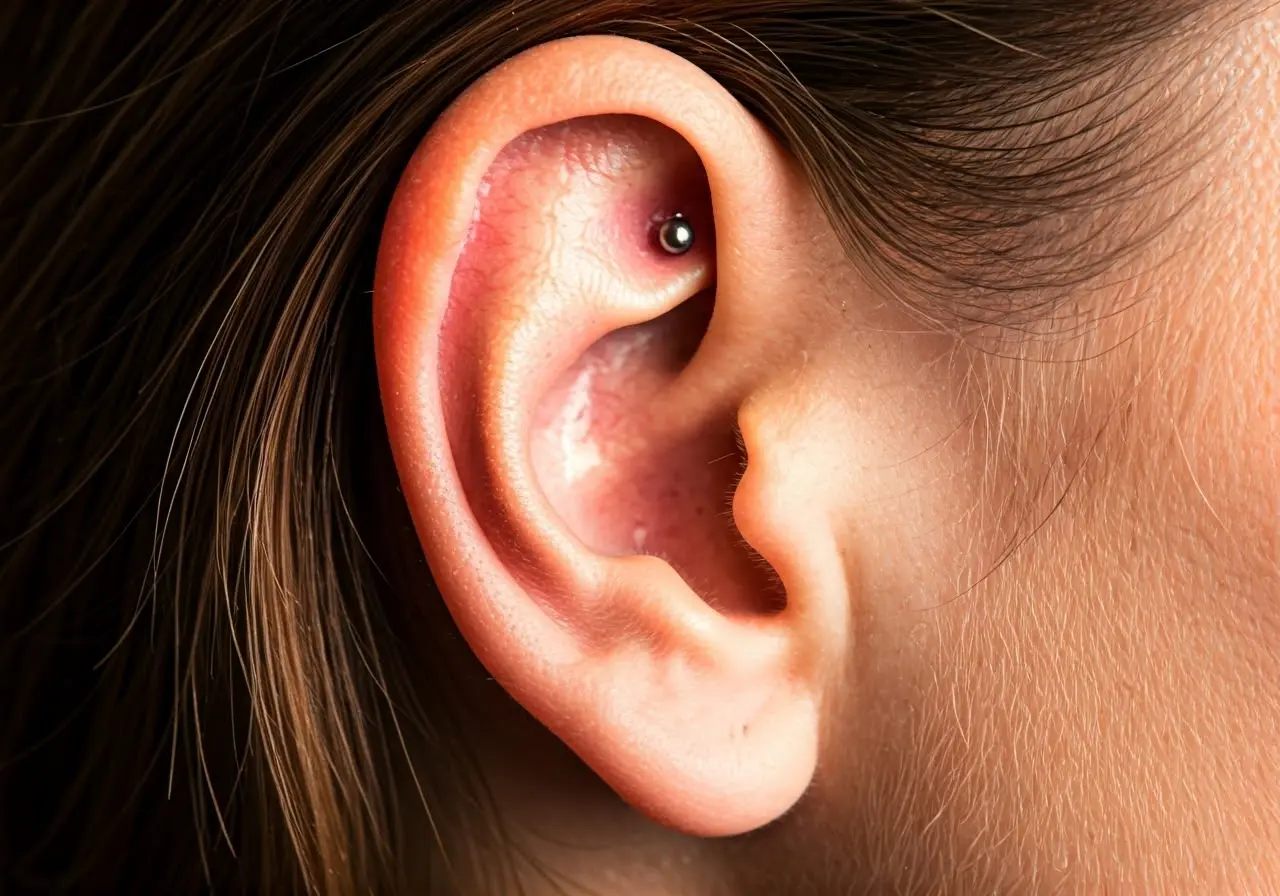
{"type": "Point", "coordinates": [740, 528]}
{"type": "Point", "coordinates": [913, 526]}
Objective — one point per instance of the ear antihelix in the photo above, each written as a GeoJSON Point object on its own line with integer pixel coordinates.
{"type": "Point", "coordinates": [563, 322]}
{"type": "Point", "coordinates": [628, 463]}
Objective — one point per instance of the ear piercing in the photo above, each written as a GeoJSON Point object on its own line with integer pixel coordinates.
{"type": "Point", "coordinates": [675, 236]}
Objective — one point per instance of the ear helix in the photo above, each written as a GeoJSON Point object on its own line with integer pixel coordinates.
{"type": "Point", "coordinates": [564, 413]}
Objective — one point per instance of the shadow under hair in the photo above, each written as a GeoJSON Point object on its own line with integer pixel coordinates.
{"type": "Point", "coordinates": [199, 625]}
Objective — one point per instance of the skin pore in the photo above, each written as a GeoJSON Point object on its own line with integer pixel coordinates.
{"type": "Point", "coordinates": [1053, 664]}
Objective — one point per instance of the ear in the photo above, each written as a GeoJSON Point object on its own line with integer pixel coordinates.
{"type": "Point", "coordinates": [576, 419]}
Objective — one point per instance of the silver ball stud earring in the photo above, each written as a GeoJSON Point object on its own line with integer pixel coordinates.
{"type": "Point", "coordinates": [676, 235]}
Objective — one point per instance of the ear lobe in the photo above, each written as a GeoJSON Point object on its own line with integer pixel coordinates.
{"type": "Point", "coordinates": [563, 407]}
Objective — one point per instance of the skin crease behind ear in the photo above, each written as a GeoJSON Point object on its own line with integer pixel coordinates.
{"type": "Point", "coordinates": [776, 647]}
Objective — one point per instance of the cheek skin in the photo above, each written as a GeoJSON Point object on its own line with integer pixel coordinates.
{"type": "Point", "coordinates": [1101, 714]}
{"type": "Point", "coordinates": [1122, 671]}
{"type": "Point", "coordinates": [1114, 692]}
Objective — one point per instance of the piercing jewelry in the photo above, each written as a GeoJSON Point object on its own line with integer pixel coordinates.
{"type": "Point", "coordinates": [676, 235]}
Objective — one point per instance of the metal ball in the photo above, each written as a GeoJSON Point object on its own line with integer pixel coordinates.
{"type": "Point", "coordinates": [676, 235]}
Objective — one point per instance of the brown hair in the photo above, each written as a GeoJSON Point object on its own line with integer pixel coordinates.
{"type": "Point", "coordinates": [196, 574]}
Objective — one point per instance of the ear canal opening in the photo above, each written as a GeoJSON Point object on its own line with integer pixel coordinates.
{"type": "Point", "coordinates": [631, 469]}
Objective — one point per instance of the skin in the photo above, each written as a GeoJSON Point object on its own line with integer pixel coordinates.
{"type": "Point", "coordinates": [1093, 711]}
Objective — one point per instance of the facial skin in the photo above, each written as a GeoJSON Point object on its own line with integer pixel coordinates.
{"type": "Point", "coordinates": [1032, 581]}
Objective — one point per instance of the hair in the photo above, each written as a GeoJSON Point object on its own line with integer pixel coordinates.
{"type": "Point", "coordinates": [210, 678]}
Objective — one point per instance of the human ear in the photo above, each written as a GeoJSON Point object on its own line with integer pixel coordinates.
{"type": "Point", "coordinates": [579, 425]}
